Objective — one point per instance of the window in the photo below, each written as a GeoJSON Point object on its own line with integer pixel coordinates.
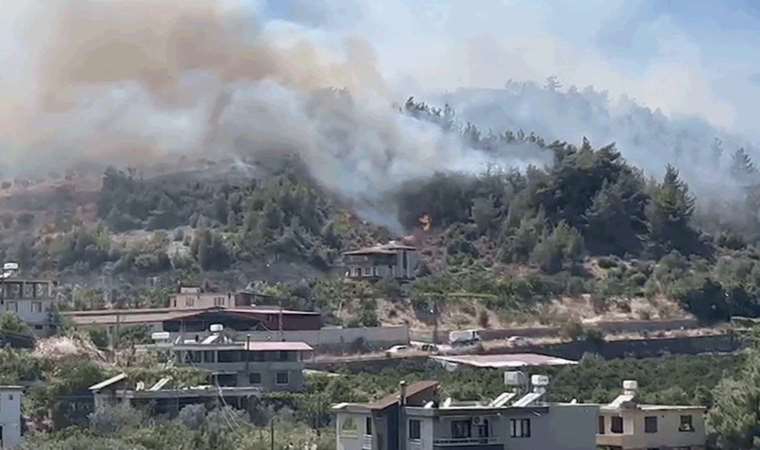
{"type": "Point", "coordinates": [414, 430]}
{"type": "Point", "coordinates": [650, 424]}
{"type": "Point", "coordinates": [11, 306]}
{"type": "Point", "coordinates": [218, 301]}
{"type": "Point", "coordinates": [461, 429]}
{"type": "Point", "coordinates": [36, 307]}
{"type": "Point", "coordinates": [189, 301]}
{"type": "Point", "coordinates": [616, 425]}
{"type": "Point", "coordinates": [39, 327]}
{"type": "Point", "coordinates": [484, 430]}
{"type": "Point", "coordinates": [284, 355]}
{"type": "Point", "coordinates": [254, 378]}
{"type": "Point", "coordinates": [349, 428]}
{"type": "Point", "coordinates": [208, 356]}
{"type": "Point", "coordinates": [686, 424]}
{"type": "Point", "coordinates": [601, 425]}
{"type": "Point", "coordinates": [367, 271]}
{"type": "Point", "coordinates": [368, 426]}
{"type": "Point", "coordinates": [282, 378]}
{"type": "Point", "coordinates": [519, 428]}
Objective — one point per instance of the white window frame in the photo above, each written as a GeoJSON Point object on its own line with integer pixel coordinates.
{"type": "Point", "coordinates": [277, 381]}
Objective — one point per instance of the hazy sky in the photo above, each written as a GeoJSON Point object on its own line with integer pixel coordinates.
{"type": "Point", "coordinates": [687, 56]}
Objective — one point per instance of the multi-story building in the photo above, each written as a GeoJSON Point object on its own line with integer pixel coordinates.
{"type": "Point", "coordinates": [10, 416]}
{"type": "Point", "coordinates": [268, 365]}
{"type": "Point", "coordinates": [626, 424]}
{"type": "Point", "coordinates": [31, 300]}
{"type": "Point", "coordinates": [415, 419]}
{"type": "Point", "coordinates": [392, 260]}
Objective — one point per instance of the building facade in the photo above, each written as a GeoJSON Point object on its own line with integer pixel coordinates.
{"type": "Point", "coordinates": [626, 424]}
{"type": "Point", "coordinates": [32, 301]}
{"type": "Point", "coordinates": [10, 416]}
{"type": "Point", "coordinates": [392, 260]}
{"type": "Point", "coordinates": [269, 366]}
{"type": "Point", "coordinates": [415, 419]}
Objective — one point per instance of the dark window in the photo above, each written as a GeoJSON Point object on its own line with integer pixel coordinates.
{"type": "Point", "coordinates": [461, 429]}
{"type": "Point", "coordinates": [226, 380]}
{"type": "Point", "coordinates": [259, 356]}
{"type": "Point", "coordinates": [282, 378]}
{"type": "Point", "coordinates": [254, 378]}
{"type": "Point", "coordinates": [686, 424]}
{"type": "Point", "coordinates": [228, 356]}
{"type": "Point", "coordinates": [650, 424]}
{"type": "Point", "coordinates": [616, 425]}
{"type": "Point", "coordinates": [519, 428]}
{"type": "Point", "coordinates": [368, 426]}
{"type": "Point", "coordinates": [601, 425]}
{"type": "Point", "coordinates": [484, 430]}
{"type": "Point", "coordinates": [414, 429]}
{"type": "Point", "coordinates": [284, 355]}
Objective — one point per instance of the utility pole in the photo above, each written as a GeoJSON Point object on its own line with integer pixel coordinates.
{"type": "Point", "coordinates": [282, 335]}
{"type": "Point", "coordinates": [247, 355]}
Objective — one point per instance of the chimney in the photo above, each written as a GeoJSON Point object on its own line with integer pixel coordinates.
{"type": "Point", "coordinates": [402, 395]}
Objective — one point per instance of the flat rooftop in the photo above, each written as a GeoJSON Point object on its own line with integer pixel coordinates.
{"type": "Point", "coordinates": [513, 360]}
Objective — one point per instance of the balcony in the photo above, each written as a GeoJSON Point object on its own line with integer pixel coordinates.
{"type": "Point", "coordinates": [480, 443]}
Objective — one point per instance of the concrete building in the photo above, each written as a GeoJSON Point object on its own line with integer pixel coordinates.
{"type": "Point", "coordinates": [194, 297]}
{"type": "Point", "coordinates": [166, 398]}
{"type": "Point", "coordinates": [626, 424]}
{"type": "Point", "coordinates": [198, 319]}
{"type": "Point", "coordinates": [269, 366]}
{"type": "Point", "coordinates": [10, 416]}
{"type": "Point", "coordinates": [32, 300]}
{"type": "Point", "coordinates": [415, 419]}
{"type": "Point", "coordinates": [392, 260]}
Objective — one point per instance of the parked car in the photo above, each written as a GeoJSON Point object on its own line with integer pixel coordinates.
{"type": "Point", "coordinates": [397, 350]}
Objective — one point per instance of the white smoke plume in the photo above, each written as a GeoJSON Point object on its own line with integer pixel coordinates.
{"type": "Point", "coordinates": [129, 81]}
{"type": "Point", "coordinates": [124, 82]}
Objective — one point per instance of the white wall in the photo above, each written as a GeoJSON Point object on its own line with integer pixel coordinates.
{"type": "Point", "coordinates": [350, 440]}
{"type": "Point", "coordinates": [565, 427]}
{"type": "Point", "coordinates": [377, 336]}
{"type": "Point", "coordinates": [10, 417]}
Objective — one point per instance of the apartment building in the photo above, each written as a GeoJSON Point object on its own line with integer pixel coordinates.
{"type": "Point", "coordinates": [31, 300]}
{"type": "Point", "coordinates": [268, 365]}
{"type": "Point", "coordinates": [626, 424]}
{"type": "Point", "coordinates": [416, 419]}
{"type": "Point", "coordinates": [391, 260]}
{"type": "Point", "coordinates": [10, 416]}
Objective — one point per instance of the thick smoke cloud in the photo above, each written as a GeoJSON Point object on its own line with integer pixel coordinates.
{"type": "Point", "coordinates": [128, 82]}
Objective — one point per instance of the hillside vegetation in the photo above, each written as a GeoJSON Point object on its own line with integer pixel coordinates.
{"type": "Point", "coordinates": [506, 244]}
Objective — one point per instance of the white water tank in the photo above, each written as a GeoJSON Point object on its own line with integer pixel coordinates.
{"type": "Point", "coordinates": [161, 336]}
{"type": "Point", "coordinates": [630, 385]}
{"type": "Point", "coordinates": [216, 328]}
{"type": "Point", "coordinates": [539, 380]}
{"type": "Point", "coordinates": [515, 378]}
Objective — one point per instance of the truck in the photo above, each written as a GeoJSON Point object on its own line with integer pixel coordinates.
{"type": "Point", "coordinates": [464, 337]}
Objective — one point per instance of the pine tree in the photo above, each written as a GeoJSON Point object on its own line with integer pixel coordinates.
{"type": "Point", "coordinates": [742, 167]}
{"type": "Point", "coordinates": [669, 213]}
